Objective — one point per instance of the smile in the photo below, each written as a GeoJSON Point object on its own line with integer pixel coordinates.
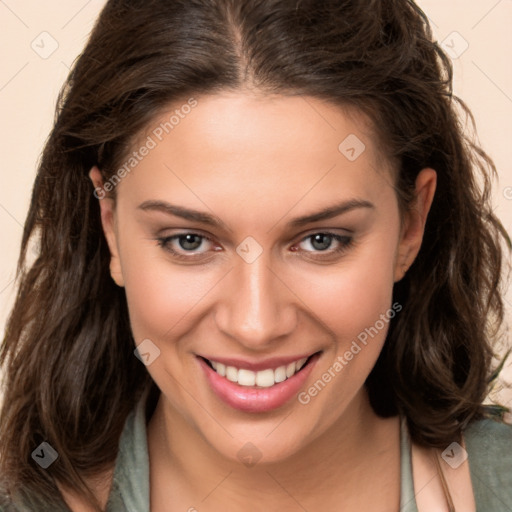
{"type": "Point", "coordinates": [257, 387]}
{"type": "Point", "coordinates": [263, 378]}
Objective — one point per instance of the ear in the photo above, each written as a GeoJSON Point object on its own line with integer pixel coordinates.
{"type": "Point", "coordinates": [108, 222]}
{"type": "Point", "coordinates": [414, 222]}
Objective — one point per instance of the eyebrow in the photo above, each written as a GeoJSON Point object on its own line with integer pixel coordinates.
{"type": "Point", "coordinates": [331, 211]}
{"type": "Point", "coordinates": [213, 220]}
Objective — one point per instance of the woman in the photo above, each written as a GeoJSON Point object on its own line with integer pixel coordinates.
{"type": "Point", "coordinates": [267, 277]}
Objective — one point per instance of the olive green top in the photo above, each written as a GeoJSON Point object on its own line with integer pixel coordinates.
{"type": "Point", "coordinates": [488, 443]}
{"type": "Point", "coordinates": [489, 449]}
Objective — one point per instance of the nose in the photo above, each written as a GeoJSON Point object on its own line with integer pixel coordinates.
{"type": "Point", "coordinates": [257, 307]}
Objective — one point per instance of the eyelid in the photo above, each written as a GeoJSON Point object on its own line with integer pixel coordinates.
{"type": "Point", "coordinates": [329, 231]}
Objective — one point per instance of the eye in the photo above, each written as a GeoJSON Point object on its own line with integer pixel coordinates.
{"type": "Point", "coordinates": [190, 245]}
{"type": "Point", "coordinates": [325, 243]}
{"type": "Point", "coordinates": [186, 245]}
{"type": "Point", "coordinates": [190, 241]}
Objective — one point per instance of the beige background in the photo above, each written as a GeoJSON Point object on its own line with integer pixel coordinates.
{"type": "Point", "coordinates": [40, 40]}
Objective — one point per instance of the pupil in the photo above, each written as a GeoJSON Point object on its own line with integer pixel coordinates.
{"type": "Point", "coordinates": [190, 242]}
{"type": "Point", "coordinates": [321, 241]}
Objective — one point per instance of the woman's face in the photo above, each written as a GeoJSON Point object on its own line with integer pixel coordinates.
{"type": "Point", "coordinates": [257, 232]}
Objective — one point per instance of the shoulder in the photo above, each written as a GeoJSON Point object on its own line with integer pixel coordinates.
{"type": "Point", "coordinates": [488, 444]}
{"type": "Point", "coordinates": [487, 439]}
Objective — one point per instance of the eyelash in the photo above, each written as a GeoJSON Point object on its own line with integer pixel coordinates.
{"type": "Point", "coordinates": [344, 244]}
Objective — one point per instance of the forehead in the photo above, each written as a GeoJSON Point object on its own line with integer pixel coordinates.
{"type": "Point", "coordinates": [259, 150]}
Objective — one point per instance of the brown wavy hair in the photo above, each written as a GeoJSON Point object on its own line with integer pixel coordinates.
{"type": "Point", "coordinates": [70, 373]}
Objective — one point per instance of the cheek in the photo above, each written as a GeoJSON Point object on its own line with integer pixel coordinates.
{"type": "Point", "coordinates": [351, 296]}
{"type": "Point", "coordinates": [355, 304]}
{"type": "Point", "coordinates": [161, 296]}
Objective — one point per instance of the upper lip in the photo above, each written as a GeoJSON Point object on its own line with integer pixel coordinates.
{"type": "Point", "coordinates": [262, 364]}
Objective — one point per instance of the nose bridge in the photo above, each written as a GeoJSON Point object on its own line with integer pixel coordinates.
{"type": "Point", "coordinates": [257, 307]}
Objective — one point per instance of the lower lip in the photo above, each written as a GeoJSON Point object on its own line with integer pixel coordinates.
{"type": "Point", "coordinates": [252, 399]}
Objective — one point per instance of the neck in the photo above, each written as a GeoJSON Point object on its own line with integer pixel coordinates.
{"type": "Point", "coordinates": [336, 466]}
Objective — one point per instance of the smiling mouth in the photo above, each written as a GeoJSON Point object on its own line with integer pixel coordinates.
{"type": "Point", "coordinates": [259, 379]}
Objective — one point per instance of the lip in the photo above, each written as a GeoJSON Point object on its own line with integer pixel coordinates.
{"type": "Point", "coordinates": [253, 399]}
{"type": "Point", "coordinates": [256, 366]}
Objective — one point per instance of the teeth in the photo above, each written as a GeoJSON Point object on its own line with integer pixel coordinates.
{"type": "Point", "coordinates": [280, 374]}
{"type": "Point", "coordinates": [246, 378]}
{"type": "Point", "coordinates": [221, 369]}
{"type": "Point", "coordinates": [232, 373]}
{"type": "Point", "coordinates": [290, 370]}
{"type": "Point", "coordinates": [263, 378]}
{"type": "Point", "coordinates": [300, 363]}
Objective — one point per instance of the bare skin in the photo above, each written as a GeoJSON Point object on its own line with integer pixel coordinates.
{"type": "Point", "coordinates": [257, 163]}
{"type": "Point", "coordinates": [290, 485]}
